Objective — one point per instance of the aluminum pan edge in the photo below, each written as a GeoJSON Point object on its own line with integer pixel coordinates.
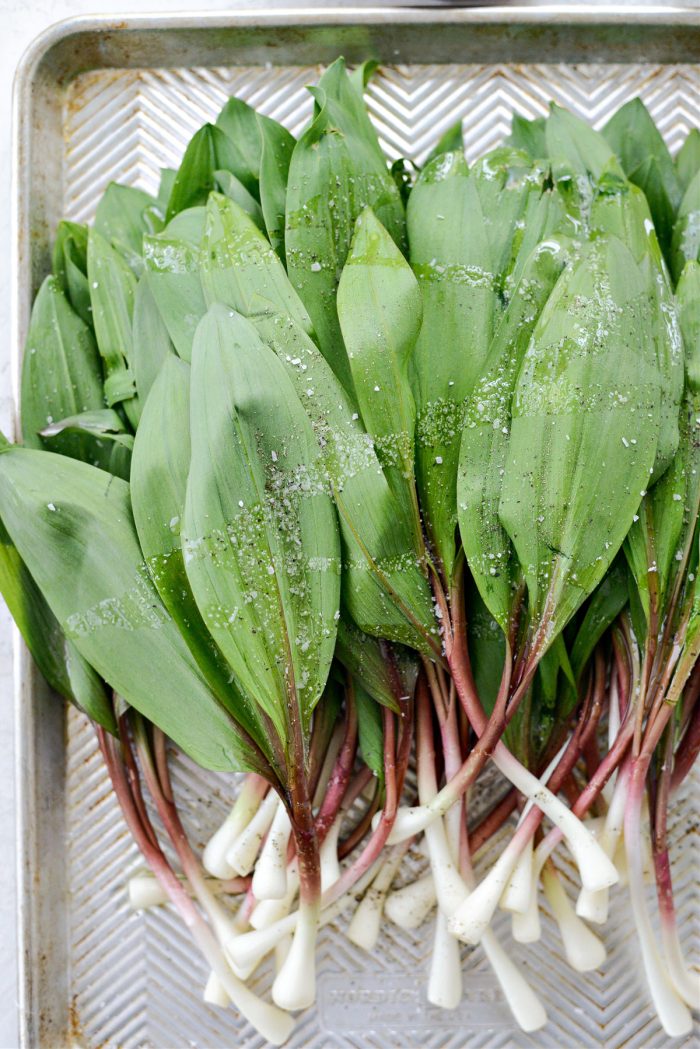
{"type": "Point", "coordinates": [61, 50]}
{"type": "Point", "coordinates": [84, 43]}
{"type": "Point", "coordinates": [506, 33]}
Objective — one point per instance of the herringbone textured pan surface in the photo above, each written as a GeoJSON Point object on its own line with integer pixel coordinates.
{"type": "Point", "coordinates": [136, 980]}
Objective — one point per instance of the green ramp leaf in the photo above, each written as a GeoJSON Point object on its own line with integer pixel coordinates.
{"type": "Point", "coordinates": [366, 659]}
{"type": "Point", "coordinates": [239, 122]}
{"type": "Point", "coordinates": [574, 148]}
{"type": "Point", "coordinates": [230, 186]}
{"type": "Point", "coordinates": [165, 188]}
{"type": "Point", "coordinates": [487, 435]}
{"type": "Point", "coordinates": [385, 573]}
{"type": "Point", "coordinates": [467, 230]}
{"type": "Point", "coordinates": [237, 263]}
{"type": "Point", "coordinates": [247, 131]}
{"type": "Point", "coordinates": [528, 135]}
{"type": "Point", "coordinates": [685, 242]}
{"type": "Point", "coordinates": [605, 605]}
{"type": "Point", "coordinates": [61, 371]}
{"type": "Point", "coordinates": [73, 528]}
{"type": "Point", "coordinates": [161, 463]}
{"type": "Point", "coordinates": [688, 159]}
{"type": "Point", "coordinates": [208, 151]}
{"type": "Point", "coordinates": [370, 731]}
{"type": "Point", "coordinates": [647, 163]}
{"type": "Point", "coordinates": [451, 257]}
{"type": "Point", "coordinates": [57, 658]}
{"type": "Point", "coordinates": [385, 586]}
{"type": "Point", "coordinates": [112, 288]}
{"type": "Point", "coordinates": [123, 215]}
{"type": "Point", "coordinates": [585, 425]}
{"type": "Point", "coordinates": [688, 303]}
{"type": "Point", "coordinates": [658, 537]}
{"type": "Point", "coordinates": [380, 313]}
{"type": "Point", "coordinates": [275, 158]}
{"type": "Point", "coordinates": [487, 648]}
{"type": "Point", "coordinates": [263, 151]}
{"type": "Point", "coordinates": [658, 541]}
{"type": "Point", "coordinates": [625, 214]}
{"type": "Point", "coordinates": [69, 267]}
{"type": "Point", "coordinates": [151, 343]}
{"type": "Point", "coordinates": [106, 441]}
{"type": "Point", "coordinates": [362, 74]}
{"type": "Point", "coordinates": [452, 141]}
{"type": "Point", "coordinates": [337, 169]}
{"type": "Point", "coordinates": [514, 209]}
{"type": "Point", "coordinates": [172, 259]}
{"type": "Point", "coordinates": [260, 534]}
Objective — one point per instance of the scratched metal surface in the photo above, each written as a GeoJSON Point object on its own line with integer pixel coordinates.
{"type": "Point", "coordinates": [97, 974]}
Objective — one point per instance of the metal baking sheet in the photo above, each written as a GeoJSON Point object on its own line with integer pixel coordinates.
{"type": "Point", "coordinates": [100, 99]}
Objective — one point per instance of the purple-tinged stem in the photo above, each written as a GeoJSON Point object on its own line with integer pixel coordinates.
{"type": "Point", "coordinates": [361, 828]}
{"type": "Point", "coordinates": [395, 765]}
{"type": "Point", "coordinates": [689, 746]}
{"type": "Point", "coordinates": [527, 1010]}
{"type": "Point", "coordinates": [274, 1025]}
{"type": "Point", "coordinates": [340, 776]}
{"type": "Point", "coordinates": [132, 775]}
